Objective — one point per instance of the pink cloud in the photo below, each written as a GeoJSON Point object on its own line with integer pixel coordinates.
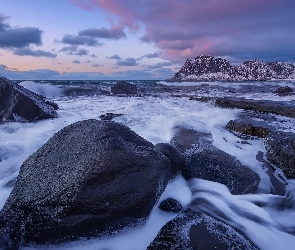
{"type": "Point", "coordinates": [186, 28]}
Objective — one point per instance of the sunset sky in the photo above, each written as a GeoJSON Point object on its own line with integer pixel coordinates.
{"type": "Point", "coordinates": [138, 39]}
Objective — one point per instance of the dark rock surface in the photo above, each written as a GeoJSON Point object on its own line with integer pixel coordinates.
{"type": "Point", "coordinates": [170, 205]}
{"type": "Point", "coordinates": [194, 230]}
{"type": "Point", "coordinates": [109, 116]}
{"type": "Point", "coordinates": [249, 127]}
{"type": "Point", "coordinates": [19, 104]}
{"type": "Point", "coordinates": [54, 105]}
{"type": "Point", "coordinates": [208, 68]}
{"type": "Point", "coordinates": [203, 160]}
{"type": "Point", "coordinates": [123, 87]}
{"type": "Point", "coordinates": [282, 91]}
{"type": "Point", "coordinates": [280, 150]}
{"type": "Point", "coordinates": [176, 159]}
{"type": "Point", "coordinates": [279, 108]}
{"type": "Point", "coordinates": [91, 177]}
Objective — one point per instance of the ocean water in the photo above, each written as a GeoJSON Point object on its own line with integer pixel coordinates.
{"type": "Point", "coordinates": [159, 107]}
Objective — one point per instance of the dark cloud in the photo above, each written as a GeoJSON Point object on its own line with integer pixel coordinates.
{"type": "Point", "coordinates": [18, 37]}
{"type": "Point", "coordinates": [81, 40]}
{"type": "Point", "coordinates": [127, 62]}
{"type": "Point", "coordinates": [31, 52]}
{"type": "Point", "coordinates": [74, 50]}
{"type": "Point", "coordinates": [76, 61]}
{"type": "Point", "coordinates": [96, 65]}
{"type": "Point", "coordinates": [88, 61]}
{"type": "Point", "coordinates": [114, 57]}
{"type": "Point", "coordinates": [151, 55]}
{"type": "Point", "coordinates": [112, 33]}
{"type": "Point", "coordinates": [93, 55]}
{"type": "Point", "coordinates": [184, 29]}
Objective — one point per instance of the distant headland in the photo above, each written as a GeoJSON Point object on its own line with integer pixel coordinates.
{"type": "Point", "coordinates": [209, 68]}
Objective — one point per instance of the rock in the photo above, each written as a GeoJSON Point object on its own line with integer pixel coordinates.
{"type": "Point", "coordinates": [249, 127]}
{"type": "Point", "coordinates": [209, 68]}
{"type": "Point", "coordinates": [19, 104]}
{"type": "Point", "coordinates": [192, 230]}
{"type": "Point", "coordinates": [170, 205]}
{"type": "Point", "coordinates": [279, 108]}
{"type": "Point", "coordinates": [176, 159]}
{"type": "Point", "coordinates": [282, 91]}
{"type": "Point", "coordinates": [109, 116]}
{"type": "Point", "coordinates": [280, 150]}
{"type": "Point", "coordinates": [123, 87]}
{"type": "Point", "coordinates": [53, 104]}
{"type": "Point", "coordinates": [203, 160]}
{"type": "Point", "coordinates": [91, 178]}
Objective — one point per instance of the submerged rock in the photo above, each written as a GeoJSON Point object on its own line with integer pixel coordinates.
{"type": "Point", "coordinates": [109, 116]}
{"type": "Point", "coordinates": [123, 87]}
{"type": "Point", "coordinates": [192, 230]}
{"type": "Point", "coordinates": [90, 178]}
{"type": "Point", "coordinates": [203, 160]}
{"type": "Point", "coordinates": [282, 91]}
{"type": "Point", "coordinates": [280, 150]}
{"type": "Point", "coordinates": [20, 104]}
{"type": "Point", "coordinates": [170, 205]}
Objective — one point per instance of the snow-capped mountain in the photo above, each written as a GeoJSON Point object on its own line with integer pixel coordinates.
{"type": "Point", "coordinates": [209, 68]}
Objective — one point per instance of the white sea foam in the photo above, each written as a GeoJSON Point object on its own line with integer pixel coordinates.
{"type": "Point", "coordinates": [153, 118]}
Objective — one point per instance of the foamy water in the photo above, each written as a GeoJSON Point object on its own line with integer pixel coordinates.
{"type": "Point", "coordinates": [153, 118]}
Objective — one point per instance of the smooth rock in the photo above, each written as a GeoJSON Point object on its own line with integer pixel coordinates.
{"type": "Point", "coordinates": [91, 178]}
{"type": "Point", "coordinates": [194, 230]}
{"type": "Point", "coordinates": [203, 160]}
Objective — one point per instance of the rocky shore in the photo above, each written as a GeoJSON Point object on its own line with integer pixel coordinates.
{"type": "Point", "coordinates": [96, 178]}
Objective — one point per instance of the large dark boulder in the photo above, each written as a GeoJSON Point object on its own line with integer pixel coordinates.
{"type": "Point", "coordinates": [280, 150]}
{"type": "Point", "coordinates": [91, 178]}
{"type": "Point", "coordinates": [194, 230]}
{"type": "Point", "coordinates": [20, 104]}
{"type": "Point", "coordinates": [123, 87]}
{"type": "Point", "coordinates": [203, 160]}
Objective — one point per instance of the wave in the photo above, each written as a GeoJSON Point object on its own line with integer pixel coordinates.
{"type": "Point", "coordinates": [43, 89]}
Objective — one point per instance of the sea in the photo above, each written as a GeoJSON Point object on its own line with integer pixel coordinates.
{"type": "Point", "coordinates": [158, 107]}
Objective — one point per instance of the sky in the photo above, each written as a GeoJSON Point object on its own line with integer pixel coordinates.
{"type": "Point", "coordinates": [138, 39]}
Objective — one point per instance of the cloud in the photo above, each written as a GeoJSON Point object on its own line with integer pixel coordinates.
{"type": "Point", "coordinates": [74, 50]}
{"type": "Point", "coordinates": [76, 61]}
{"type": "Point", "coordinates": [183, 29]}
{"type": "Point", "coordinates": [96, 65]}
{"type": "Point", "coordinates": [116, 32]}
{"type": "Point", "coordinates": [81, 40]}
{"type": "Point", "coordinates": [114, 57]}
{"type": "Point", "coordinates": [151, 55]}
{"type": "Point", "coordinates": [93, 55]}
{"type": "Point", "coordinates": [88, 61]}
{"type": "Point", "coordinates": [11, 37]}
{"type": "Point", "coordinates": [127, 62]}
{"type": "Point", "coordinates": [35, 53]}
